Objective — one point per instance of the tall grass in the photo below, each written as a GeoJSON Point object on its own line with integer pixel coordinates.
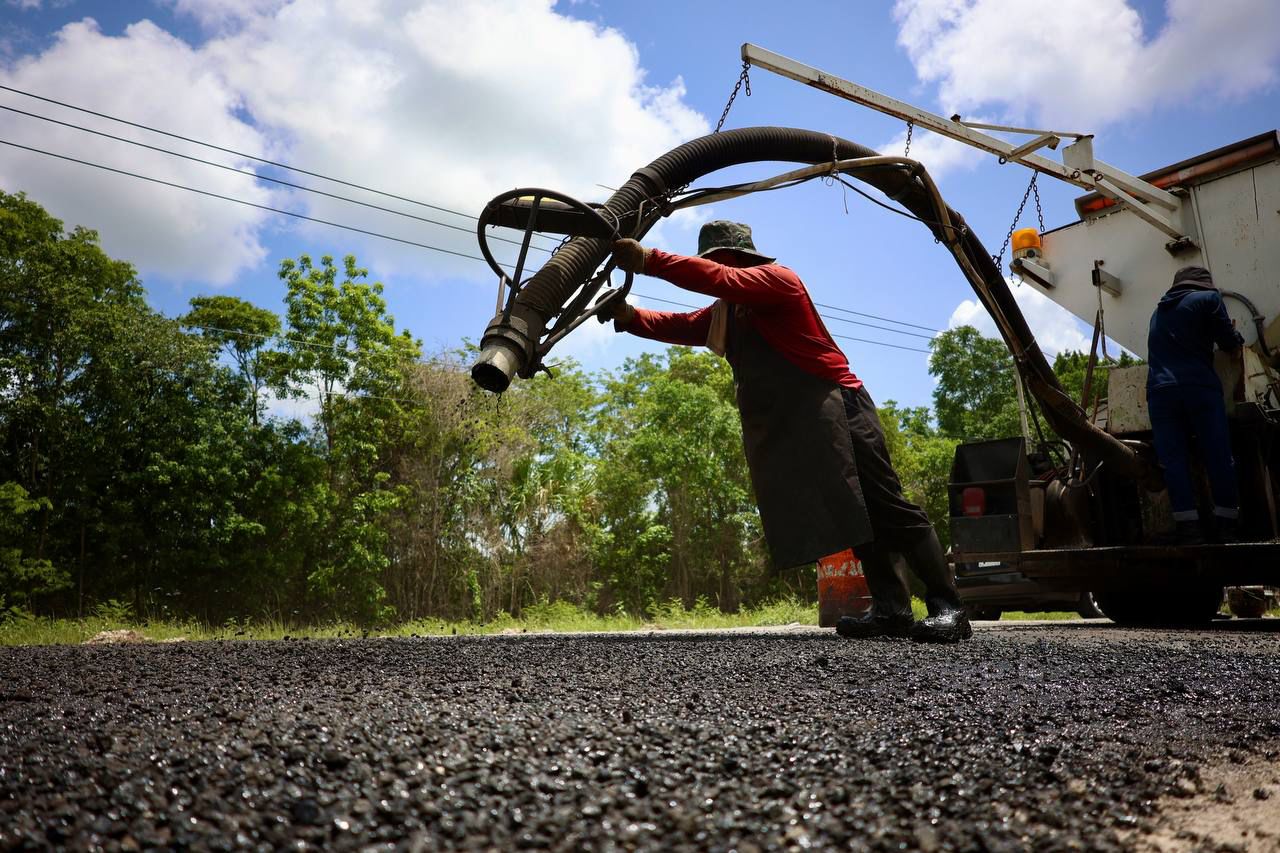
{"type": "Point", "coordinates": [24, 629]}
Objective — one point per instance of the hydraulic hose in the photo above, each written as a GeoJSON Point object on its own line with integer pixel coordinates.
{"type": "Point", "coordinates": [508, 347]}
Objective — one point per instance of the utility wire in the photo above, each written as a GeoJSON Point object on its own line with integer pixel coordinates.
{"type": "Point", "coordinates": [243, 154]}
{"type": "Point", "coordinates": [874, 317]}
{"type": "Point", "coordinates": [323, 177]}
{"type": "Point", "coordinates": [842, 337]}
{"type": "Point", "coordinates": [267, 208]}
{"type": "Point", "coordinates": [256, 176]}
{"type": "Point", "coordinates": [367, 232]}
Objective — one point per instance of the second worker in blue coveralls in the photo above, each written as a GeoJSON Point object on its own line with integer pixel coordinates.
{"type": "Point", "coordinates": [1184, 398]}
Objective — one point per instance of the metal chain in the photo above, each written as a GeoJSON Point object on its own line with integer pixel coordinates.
{"type": "Point", "coordinates": [1031, 188]}
{"type": "Point", "coordinates": [911, 125]}
{"type": "Point", "coordinates": [744, 77]}
{"type": "Point", "coordinates": [1035, 190]}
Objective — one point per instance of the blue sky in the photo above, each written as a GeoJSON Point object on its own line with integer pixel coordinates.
{"type": "Point", "coordinates": [453, 102]}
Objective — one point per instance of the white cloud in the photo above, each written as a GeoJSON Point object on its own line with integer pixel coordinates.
{"type": "Point", "coordinates": [304, 408]}
{"type": "Point", "coordinates": [28, 5]}
{"type": "Point", "coordinates": [939, 154]}
{"type": "Point", "coordinates": [1056, 329]}
{"type": "Point", "coordinates": [152, 78]}
{"type": "Point", "coordinates": [1079, 64]}
{"type": "Point", "coordinates": [449, 103]}
{"type": "Point", "coordinates": [452, 103]}
{"type": "Point", "coordinates": [217, 15]}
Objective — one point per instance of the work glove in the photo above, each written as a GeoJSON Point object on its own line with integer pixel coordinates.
{"type": "Point", "coordinates": [620, 312]}
{"type": "Point", "coordinates": [629, 255]}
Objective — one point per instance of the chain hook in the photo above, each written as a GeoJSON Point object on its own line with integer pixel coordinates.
{"type": "Point", "coordinates": [744, 77]}
{"type": "Point", "coordinates": [1031, 188]}
{"type": "Point", "coordinates": [911, 125]}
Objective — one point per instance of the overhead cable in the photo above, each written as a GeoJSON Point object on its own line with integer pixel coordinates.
{"type": "Point", "coordinates": [242, 201]}
{"type": "Point", "coordinates": [842, 337]}
{"type": "Point", "coordinates": [251, 174]}
{"type": "Point", "coordinates": [353, 228]}
{"type": "Point", "coordinates": [301, 171]}
{"type": "Point", "coordinates": [243, 154]}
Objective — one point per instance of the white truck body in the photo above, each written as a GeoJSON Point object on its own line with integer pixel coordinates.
{"type": "Point", "coordinates": [1231, 209]}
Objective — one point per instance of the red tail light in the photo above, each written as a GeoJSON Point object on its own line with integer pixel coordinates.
{"type": "Point", "coordinates": [973, 502]}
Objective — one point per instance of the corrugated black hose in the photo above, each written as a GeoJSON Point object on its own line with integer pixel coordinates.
{"type": "Point", "coordinates": [508, 348]}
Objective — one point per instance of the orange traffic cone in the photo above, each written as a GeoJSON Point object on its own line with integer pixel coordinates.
{"type": "Point", "coordinates": [842, 588]}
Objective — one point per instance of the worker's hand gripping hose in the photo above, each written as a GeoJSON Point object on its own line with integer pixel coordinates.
{"type": "Point", "coordinates": [510, 345]}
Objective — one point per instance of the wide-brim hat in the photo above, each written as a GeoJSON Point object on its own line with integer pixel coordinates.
{"type": "Point", "coordinates": [721, 235]}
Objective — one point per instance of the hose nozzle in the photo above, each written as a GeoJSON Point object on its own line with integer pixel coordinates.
{"type": "Point", "coordinates": [507, 349]}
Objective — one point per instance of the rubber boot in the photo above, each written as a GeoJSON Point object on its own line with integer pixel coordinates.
{"type": "Point", "coordinates": [929, 563]}
{"type": "Point", "coordinates": [947, 621]}
{"type": "Point", "coordinates": [890, 614]}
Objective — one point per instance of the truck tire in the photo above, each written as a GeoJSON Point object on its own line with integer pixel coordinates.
{"type": "Point", "coordinates": [1246, 603]}
{"type": "Point", "coordinates": [1192, 604]}
{"type": "Point", "coordinates": [1088, 607]}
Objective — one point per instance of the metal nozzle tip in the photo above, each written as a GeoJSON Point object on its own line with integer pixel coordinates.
{"type": "Point", "coordinates": [490, 377]}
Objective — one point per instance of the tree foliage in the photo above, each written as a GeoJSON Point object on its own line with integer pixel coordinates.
{"type": "Point", "coordinates": [243, 331]}
{"type": "Point", "coordinates": [1070, 368]}
{"type": "Point", "coordinates": [141, 459]}
{"type": "Point", "coordinates": [975, 397]}
{"type": "Point", "coordinates": [922, 456]}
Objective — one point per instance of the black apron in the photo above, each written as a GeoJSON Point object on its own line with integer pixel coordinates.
{"type": "Point", "coordinates": [798, 450]}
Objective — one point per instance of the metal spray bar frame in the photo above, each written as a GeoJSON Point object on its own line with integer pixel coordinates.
{"type": "Point", "coordinates": [1078, 168]}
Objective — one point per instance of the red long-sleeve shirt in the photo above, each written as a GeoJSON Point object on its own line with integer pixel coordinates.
{"type": "Point", "coordinates": [781, 312]}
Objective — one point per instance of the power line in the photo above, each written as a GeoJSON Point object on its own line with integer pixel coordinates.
{"type": "Point", "coordinates": [824, 316]}
{"type": "Point", "coordinates": [881, 328]}
{"type": "Point", "coordinates": [842, 337]}
{"type": "Point", "coordinates": [875, 317]}
{"type": "Point", "coordinates": [881, 344]}
{"type": "Point", "coordinates": [302, 171]}
{"type": "Point", "coordinates": [243, 154]}
{"type": "Point", "coordinates": [245, 202]}
{"type": "Point", "coordinates": [256, 176]}
{"type": "Point", "coordinates": [353, 228]}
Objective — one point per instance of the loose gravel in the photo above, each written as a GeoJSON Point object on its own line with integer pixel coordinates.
{"type": "Point", "coordinates": [1044, 738]}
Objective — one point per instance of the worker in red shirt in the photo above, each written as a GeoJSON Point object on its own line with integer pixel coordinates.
{"type": "Point", "coordinates": [814, 444]}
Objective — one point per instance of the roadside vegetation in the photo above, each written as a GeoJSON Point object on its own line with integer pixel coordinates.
{"type": "Point", "coordinates": [151, 473]}
{"type": "Point", "coordinates": [557, 617]}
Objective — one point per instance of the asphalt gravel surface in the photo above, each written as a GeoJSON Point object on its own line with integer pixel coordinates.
{"type": "Point", "coordinates": [1041, 738]}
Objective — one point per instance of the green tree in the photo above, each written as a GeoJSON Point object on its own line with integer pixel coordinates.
{"type": "Point", "coordinates": [975, 397]}
{"type": "Point", "coordinates": [242, 330]}
{"type": "Point", "coordinates": [59, 294]}
{"type": "Point", "coordinates": [22, 579]}
{"type": "Point", "coordinates": [678, 516]}
{"type": "Point", "coordinates": [123, 431]}
{"type": "Point", "coordinates": [339, 338]}
{"type": "Point", "coordinates": [341, 344]}
{"type": "Point", "coordinates": [1070, 368]}
{"type": "Point", "coordinates": [922, 456]}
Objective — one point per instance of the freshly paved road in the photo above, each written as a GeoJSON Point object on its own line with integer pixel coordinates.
{"type": "Point", "coordinates": [1039, 737]}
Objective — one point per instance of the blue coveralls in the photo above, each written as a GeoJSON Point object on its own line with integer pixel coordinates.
{"type": "Point", "coordinates": [1184, 394]}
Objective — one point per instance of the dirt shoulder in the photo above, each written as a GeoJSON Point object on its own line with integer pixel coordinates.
{"type": "Point", "coordinates": [1234, 806]}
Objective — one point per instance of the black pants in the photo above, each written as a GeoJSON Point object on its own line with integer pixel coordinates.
{"type": "Point", "coordinates": [900, 527]}
{"type": "Point", "coordinates": [897, 522]}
